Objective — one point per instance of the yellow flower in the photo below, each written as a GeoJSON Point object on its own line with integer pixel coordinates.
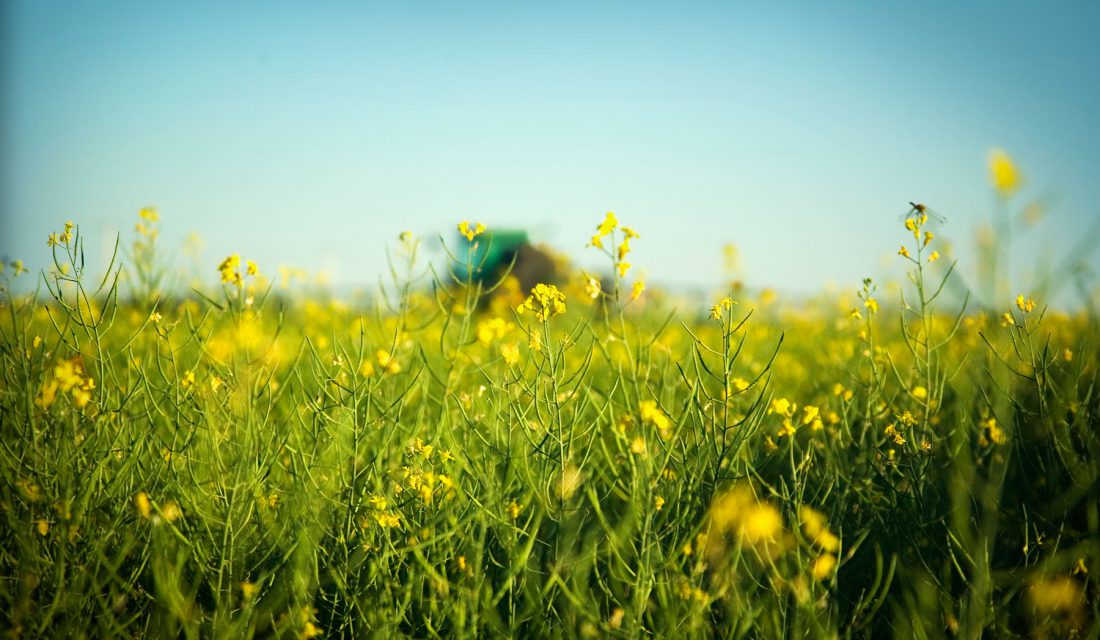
{"type": "Point", "coordinates": [510, 353]}
{"type": "Point", "coordinates": [252, 268]}
{"type": "Point", "coordinates": [1027, 306]}
{"type": "Point", "coordinates": [187, 380]}
{"type": "Point", "coordinates": [171, 511]}
{"type": "Point", "coordinates": [608, 225]}
{"type": "Point", "coordinates": [623, 267]}
{"type": "Point", "coordinates": [891, 431]}
{"type": "Point", "coordinates": [82, 395]}
{"type": "Point", "coordinates": [822, 567]}
{"type": "Point", "coordinates": [469, 233]}
{"type": "Point", "coordinates": [142, 504]}
{"type": "Point", "coordinates": [43, 527]}
{"type": "Point", "coordinates": [592, 287]}
{"type": "Point", "coordinates": [787, 429]}
{"type": "Point", "coordinates": [387, 520]}
{"type": "Point", "coordinates": [1007, 320]}
{"type": "Point", "coordinates": [637, 289]}
{"type": "Point", "coordinates": [935, 255]}
{"type": "Point", "coordinates": [249, 590]}
{"type": "Point", "coordinates": [492, 330]}
{"type": "Point", "coordinates": [993, 432]}
{"type": "Point", "coordinates": [919, 392]}
{"type": "Point", "coordinates": [387, 362]}
{"type": "Point", "coordinates": [637, 445]}
{"type": "Point", "coordinates": [624, 249]}
{"type": "Point", "coordinates": [782, 406]}
{"type": "Point", "coordinates": [149, 213]}
{"type": "Point", "coordinates": [903, 251]}
{"type": "Point", "coordinates": [1003, 172]}
{"type": "Point", "coordinates": [762, 523]}
{"type": "Point", "coordinates": [228, 269]}
{"type": "Point", "coordinates": [871, 304]}
{"type": "Point", "coordinates": [17, 266]}
{"type": "Point", "coordinates": [658, 503]}
{"type": "Point", "coordinates": [651, 413]}
{"type": "Point", "coordinates": [928, 237]}
{"type": "Point", "coordinates": [513, 509]}
{"type": "Point", "coordinates": [545, 301]}
{"type": "Point", "coordinates": [723, 304]}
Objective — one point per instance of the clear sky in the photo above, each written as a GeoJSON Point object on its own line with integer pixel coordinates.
{"type": "Point", "coordinates": [310, 134]}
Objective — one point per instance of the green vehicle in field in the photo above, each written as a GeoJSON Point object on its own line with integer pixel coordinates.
{"type": "Point", "coordinates": [500, 251]}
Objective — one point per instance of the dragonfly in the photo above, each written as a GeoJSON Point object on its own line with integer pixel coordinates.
{"type": "Point", "coordinates": [917, 209]}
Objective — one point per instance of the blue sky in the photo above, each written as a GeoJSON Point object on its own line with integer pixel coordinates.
{"type": "Point", "coordinates": [312, 135]}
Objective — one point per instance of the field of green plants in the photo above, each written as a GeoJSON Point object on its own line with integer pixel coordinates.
{"type": "Point", "coordinates": [457, 457]}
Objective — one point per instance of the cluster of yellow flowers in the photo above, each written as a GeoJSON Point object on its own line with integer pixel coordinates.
{"type": "Point", "coordinates": [545, 301]}
{"type": "Point", "coordinates": [816, 529]}
{"type": "Point", "coordinates": [603, 230]}
{"type": "Point", "coordinates": [725, 304]}
{"type": "Point", "coordinates": [992, 433]}
{"type": "Point", "coordinates": [148, 215]}
{"type": "Point", "coordinates": [230, 270]}
{"type": "Point", "coordinates": [652, 414]}
{"type": "Point", "coordinates": [67, 376]}
{"type": "Point", "coordinates": [63, 238]}
{"type": "Point", "coordinates": [915, 224]}
{"type": "Point", "coordinates": [468, 232]}
{"type": "Point", "coordinates": [168, 512]}
{"type": "Point", "coordinates": [1025, 305]}
{"type": "Point", "coordinates": [811, 415]}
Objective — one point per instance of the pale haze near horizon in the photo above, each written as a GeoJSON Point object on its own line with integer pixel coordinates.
{"type": "Point", "coordinates": [312, 136]}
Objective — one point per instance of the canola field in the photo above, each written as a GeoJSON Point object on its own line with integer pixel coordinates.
{"type": "Point", "coordinates": [459, 457]}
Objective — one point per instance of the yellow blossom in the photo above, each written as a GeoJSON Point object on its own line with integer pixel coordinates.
{"type": "Point", "coordinates": [592, 287]}
{"type": "Point", "coordinates": [651, 413]}
{"type": "Point", "coordinates": [510, 353]}
{"type": "Point", "coordinates": [469, 233]}
{"type": "Point", "coordinates": [903, 251]}
{"type": "Point", "coordinates": [545, 301]}
{"type": "Point", "coordinates": [935, 255]}
{"type": "Point", "coordinates": [387, 362]}
{"type": "Point", "coordinates": [723, 305]}
{"type": "Point", "coordinates": [637, 289]}
{"type": "Point", "coordinates": [822, 567]}
{"type": "Point", "coordinates": [608, 225]}
{"type": "Point", "coordinates": [871, 304]}
{"type": "Point", "coordinates": [1003, 173]}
